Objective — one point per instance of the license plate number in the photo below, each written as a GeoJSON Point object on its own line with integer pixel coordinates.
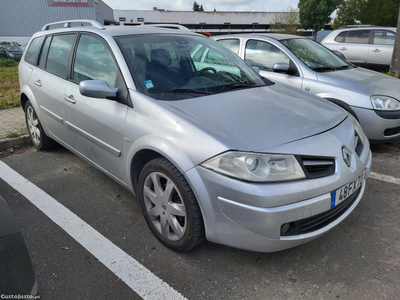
{"type": "Point", "coordinates": [347, 190]}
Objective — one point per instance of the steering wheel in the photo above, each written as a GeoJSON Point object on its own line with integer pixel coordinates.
{"type": "Point", "coordinates": [205, 70]}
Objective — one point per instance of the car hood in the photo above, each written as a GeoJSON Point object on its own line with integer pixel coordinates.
{"type": "Point", "coordinates": [259, 118]}
{"type": "Point", "coordinates": [363, 81]}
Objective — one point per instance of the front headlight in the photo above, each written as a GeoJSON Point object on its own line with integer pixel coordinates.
{"type": "Point", "coordinates": [256, 167]}
{"type": "Point", "coordinates": [11, 55]}
{"type": "Point", "coordinates": [358, 129]}
{"type": "Point", "coordinates": [385, 103]}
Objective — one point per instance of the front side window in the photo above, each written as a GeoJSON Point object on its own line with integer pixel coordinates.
{"type": "Point", "coordinates": [33, 50]}
{"type": "Point", "coordinates": [315, 56]}
{"type": "Point", "coordinates": [231, 44]}
{"type": "Point", "coordinates": [383, 37]}
{"type": "Point", "coordinates": [264, 55]}
{"type": "Point", "coordinates": [175, 67]}
{"type": "Point", "coordinates": [59, 52]}
{"type": "Point", "coordinates": [94, 61]}
{"type": "Point", "coordinates": [358, 37]}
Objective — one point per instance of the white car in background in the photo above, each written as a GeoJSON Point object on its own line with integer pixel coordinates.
{"type": "Point", "coordinates": [368, 46]}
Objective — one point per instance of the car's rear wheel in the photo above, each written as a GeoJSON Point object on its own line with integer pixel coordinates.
{"type": "Point", "coordinates": [38, 137]}
{"type": "Point", "coordinates": [169, 206]}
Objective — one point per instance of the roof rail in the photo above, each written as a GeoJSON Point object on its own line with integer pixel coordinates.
{"type": "Point", "coordinates": [67, 24]}
{"type": "Point", "coordinates": [168, 26]}
{"type": "Point", "coordinates": [357, 26]}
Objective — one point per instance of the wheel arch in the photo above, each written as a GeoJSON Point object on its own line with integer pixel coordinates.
{"type": "Point", "coordinates": [343, 105]}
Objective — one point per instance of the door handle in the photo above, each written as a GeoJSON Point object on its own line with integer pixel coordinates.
{"type": "Point", "coordinates": [376, 50]}
{"type": "Point", "coordinates": [70, 99]}
{"type": "Point", "coordinates": [38, 82]}
{"type": "Point", "coordinates": [343, 49]}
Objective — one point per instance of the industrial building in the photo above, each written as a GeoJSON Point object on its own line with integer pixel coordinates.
{"type": "Point", "coordinates": [215, 22]}
{"type": "Point", "coordinates": [20, 19]}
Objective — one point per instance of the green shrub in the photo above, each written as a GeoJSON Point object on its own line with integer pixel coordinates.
{"type": "Point", "coordinates": [7, 63]}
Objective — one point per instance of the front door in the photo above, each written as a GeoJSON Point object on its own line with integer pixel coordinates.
{"type": "Point", "coordinates": [356, 46]}
{"type": "Point", "coordinates": [264, 56]}
{"type": "Point", "coordinates": [381, 49]}
{"type": "Point", "coordinates": [96, 125]}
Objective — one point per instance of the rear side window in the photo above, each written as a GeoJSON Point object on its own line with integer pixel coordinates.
{"type": "Point", "coordinates": [231, 44]}
{"type": "Point", "coordinates": [383, 37]}
{"type": "Point", "coordinates": [340, 37]}
{"type": "Point", "coordinates": [43, 54]}
{"type": "Point", "coordinates": [94, 61]}
{"type": "Point", "coordinates": [59, 52]}
{"type": "Point", "coordinates": [358, 37]}
{"type": "Point", "coordinates": [33, 51]}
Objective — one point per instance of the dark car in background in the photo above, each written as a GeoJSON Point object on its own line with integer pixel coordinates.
{"type": "Point", "coordinates": [16, 272]}
{"type": "Point", "coordinates": [10, 52]}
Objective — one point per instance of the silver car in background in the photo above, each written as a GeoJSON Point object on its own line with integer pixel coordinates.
{"type": "Point", "coordinates": [217, 154]}
{"type": "Point", "coordinates": [369, 46]}
{"type": "Point", "coordinates": [371, 97]}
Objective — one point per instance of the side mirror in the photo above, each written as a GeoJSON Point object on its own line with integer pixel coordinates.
{"type": "Point", "coordinates": [256, 69]}
{"type": "Point", "coordinates": [281, 67]}
{"type": "Point", "coordinates": [97, 89]}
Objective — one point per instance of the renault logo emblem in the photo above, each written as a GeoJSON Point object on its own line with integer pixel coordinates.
{"type": "Point", "coordinates": [346, 156]}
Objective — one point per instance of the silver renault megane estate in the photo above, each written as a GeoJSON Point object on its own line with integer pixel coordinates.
{"type": "Point", "coordinates": [214, 153]}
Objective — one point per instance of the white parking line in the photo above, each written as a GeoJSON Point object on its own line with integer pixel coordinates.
{"type": "Point", "coordinates": [136, 276]}
{"type": "Point", "coordinates": [386, 178]}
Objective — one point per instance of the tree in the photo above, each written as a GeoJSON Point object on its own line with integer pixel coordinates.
{"type": "Point", "coordinates": [196, 7]}
{"type": "Point", "coordinates": [395, 67]}
{"type": "Point", "coordinates": [347, 13]}
{"type": "Point", "coordinates": [376, 12]}
{"type": "Point", "coordinates": [314, 14]}
{"type": "Point", "coordinates": [286, 22]}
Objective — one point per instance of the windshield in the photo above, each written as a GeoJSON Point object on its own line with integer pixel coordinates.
{"type": "Point", "coordinates": [12, 48]}
{"type": "Point", "coordinates": [175, 67]}
{"type": "Point", "coordinates": [315, 56]}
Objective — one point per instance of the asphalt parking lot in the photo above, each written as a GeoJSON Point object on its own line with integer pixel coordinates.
{"type": "Point", "coordinates": [359, 259]}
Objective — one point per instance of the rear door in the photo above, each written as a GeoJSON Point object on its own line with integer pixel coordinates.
{"type": "Point", "coordinates": [381, 48]}
{"type": "Point", "coordinates": [49, 80]}
{"type": "Point", "coordinates": [265, 55]}
{"type": "Point", "coordinates": [356, 46]}
{"type": "Point", "coordinates": [96, 125]}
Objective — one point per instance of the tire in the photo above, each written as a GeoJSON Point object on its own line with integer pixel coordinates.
{"type": "Point", "coordinates": [175, 199]}
{"type": "Point", "coordinates": [38, 137]}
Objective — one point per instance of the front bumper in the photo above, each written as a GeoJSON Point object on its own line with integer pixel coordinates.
{"type": "Point", "coordinates": [249, 216]}
{"type": "Point", "coordinates": [375, 127]}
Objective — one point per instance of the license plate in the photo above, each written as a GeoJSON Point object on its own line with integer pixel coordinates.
{"type": "Point", "coordinates": [347, 190]}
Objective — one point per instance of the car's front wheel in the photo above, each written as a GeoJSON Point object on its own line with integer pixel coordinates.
{"type": "Point", "coordinates": [38, 137]}
{"type": "Point", "coordinates": [169, 206]}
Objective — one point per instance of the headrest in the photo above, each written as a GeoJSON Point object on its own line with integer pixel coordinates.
{"type": "Point", "coordinates": [161, 56]}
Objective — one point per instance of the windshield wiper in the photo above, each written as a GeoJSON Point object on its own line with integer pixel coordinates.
{"type": "Point", "coordinates": [343, 68]}
{"type": "Point", "coordinates": [178, 90]}
{"type": "Point", "coordinates": [237, 86]}
{"type": "Point", "coordinates": [323, 69]}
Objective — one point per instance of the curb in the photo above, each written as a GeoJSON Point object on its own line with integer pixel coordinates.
{"type": "Point", "coordinates": [19, 141]}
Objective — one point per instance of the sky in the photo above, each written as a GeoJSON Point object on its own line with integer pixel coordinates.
{"type": "Point", "coordinates": [219, 5]}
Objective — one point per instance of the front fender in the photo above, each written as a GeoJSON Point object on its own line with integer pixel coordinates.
{"type": "Point", "coordinates": [160, 145]}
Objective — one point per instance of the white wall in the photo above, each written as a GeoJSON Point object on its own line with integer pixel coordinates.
{"type": "Point", "coordinates": [191, 17]}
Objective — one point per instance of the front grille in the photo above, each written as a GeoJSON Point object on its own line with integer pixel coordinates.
{"type": "Point", "coordinates": [317, 167]}
{"type": "Point", "coordinates": [392, 131]}
{"type": "Point", "coordinates": [321, 220]}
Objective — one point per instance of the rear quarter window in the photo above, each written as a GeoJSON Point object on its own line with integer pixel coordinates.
{"type": "Point", "coordinates": [33, 51]}
{"type": "Point", "coordinates": [340, 37]}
